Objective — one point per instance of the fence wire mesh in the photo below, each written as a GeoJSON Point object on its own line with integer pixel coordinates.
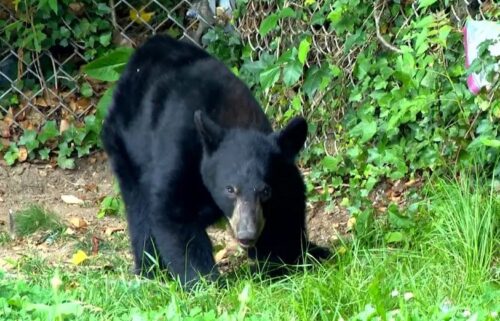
{"type": "Point", "coordinates": [41, 84]}
{"type": "Point", "coordinates": [38, 84]}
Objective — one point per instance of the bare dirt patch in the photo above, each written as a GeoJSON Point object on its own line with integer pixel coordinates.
{"type": "Point", "coordinates": [92, 180]}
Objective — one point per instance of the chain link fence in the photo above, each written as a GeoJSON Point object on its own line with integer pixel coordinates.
{"type": "Point", "coordinates": [40, 83]}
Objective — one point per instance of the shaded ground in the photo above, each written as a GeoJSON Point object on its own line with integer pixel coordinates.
{"type": "Point", "coordinates": [92, 180]}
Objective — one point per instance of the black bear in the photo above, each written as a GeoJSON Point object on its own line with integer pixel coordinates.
{"type": "Point", "coordinates": [189, 144]}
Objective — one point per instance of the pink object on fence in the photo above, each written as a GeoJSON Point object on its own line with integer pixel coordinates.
{"type": "Point", "coordinates": [475, 32]}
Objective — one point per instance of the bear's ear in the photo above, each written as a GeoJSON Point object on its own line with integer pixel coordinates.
{"type": "Point", "coordinates": [210, 133]}
{"type": "Point", "coordinates": [291, 139]}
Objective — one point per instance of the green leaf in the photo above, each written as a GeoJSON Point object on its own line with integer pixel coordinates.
{"type": "Point", "coordinates": [49, 131]}
{"type": "Point", "coordinates": [92, 124]}
{"type": "Point", "coordinates": [292, 73]}
{"type": "Point", "coordinates": [426, 3]}
{"type": "Point", "coordinates": [29, 140]}
{"type": "Point", "coordinates": [83, 150]}
{"type": "Point", "coordinates": [105, 39]}
{"type": "Point", "coordinates": [53, 5]}
{"type": "Point", "coordinates": [44, 153]}
{"type": "Point", "coordinates": [104, 103]}
{"type": "Point", "coordinates": [335, 15]}
{"type": "Point", "coordinates": [110, 205]}
{"type": "Point", "coordinates": [65, 149]}
{"type": "Point", "coordinates": [269, 77]}
{"type": "Point", "coordinates": [495, 143]}
{"type": "Point", "coordinates": [108, 67]}
{"type": "Point", "coordinates": [421, 41]}
{"type": "Point", "coordinates": [365, 129]}
{"type": "Point", "coordinates": [424, 22]}
{"type": "Point", "coordinates": [330, 163]}
{"type": "Point", "coordinates": [304, 47]}
{"type": "Point", "coordinates": [444, 31]}
{"type": "Point", "coordinates": [268, 24]}
{"type": "Point", "coordinates": [286, 13]}
{"type": "Point", "coordinates": [68, 308]}
{"type": "Point", "coordinates": [394, 237]}
{"type": "Point", "coordinates": [11, 155]}
{"type": "Point", "coordinates": [312, 81]}
{"type": "Point", "coordinates": [86, 90]}
{"type": "Point", "coordinates": [65, 162]}
{"type": "Point", "coordinates": [396, 219]}
{"type": "Point", "coordinates": [355, 96]}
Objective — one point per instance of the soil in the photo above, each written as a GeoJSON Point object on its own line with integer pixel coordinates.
{"type": "Point", "coordinates": [90, 182]}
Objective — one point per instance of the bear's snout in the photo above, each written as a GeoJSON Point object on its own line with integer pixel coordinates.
{"type": "Point", "coordinates": [247, 222]}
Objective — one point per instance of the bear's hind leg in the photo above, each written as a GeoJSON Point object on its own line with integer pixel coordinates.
{"type": "Point", "coordinates": [135, 199]}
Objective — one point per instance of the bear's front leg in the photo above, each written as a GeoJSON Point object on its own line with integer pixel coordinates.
{"type": "Point", "coordinates": [185, 250]}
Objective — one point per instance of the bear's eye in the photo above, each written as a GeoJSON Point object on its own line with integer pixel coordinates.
{"type": "Point", "coordinates": [265, 193]}
{"type": "Point", "coordinates": [230, 189]}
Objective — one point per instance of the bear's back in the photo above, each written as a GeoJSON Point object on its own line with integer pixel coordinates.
{"type": "Point", "coordinates": [164, 75]}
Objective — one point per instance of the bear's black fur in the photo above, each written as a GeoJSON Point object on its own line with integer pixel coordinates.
{"type": "Point", "coordinates": [189, 144]}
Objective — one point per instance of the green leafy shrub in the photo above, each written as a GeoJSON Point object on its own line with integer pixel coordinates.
{"type": "Point", "coordinates": [403, 110]}
{"type": "Point", "coordinates": [54, 24]}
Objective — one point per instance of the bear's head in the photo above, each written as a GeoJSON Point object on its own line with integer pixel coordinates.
{"type": "Point", "coordinates": [247, 171]}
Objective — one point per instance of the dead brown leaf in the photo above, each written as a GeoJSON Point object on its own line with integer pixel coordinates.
{"type": "Point", "coordinates": [4, 129]}
{"type": "Point", "coordinates": [41, 102]}
{"type": "Point", "coordinates": [9, 117]}
{"type": "Point", "coordinates": [95, 245]}
{"type": "Point", "coordinates": [27, 124]}
{"type": "Point", "coordinates": [80, 104]}
{"type": "Point", "coordinates": [63, 126]}
{"type": "Point", "coordinates": [90, 187]}
{"type": "Point", "coordinates": [78, 8]}
{"type": "Point", "coordinates": [70, 231]}
{"type": "Point", "coordinates": [78, 222]}
{"type": "Point", "coordinates": [110, 230]}
{"type": "Point", "coordinates": [23, 154]}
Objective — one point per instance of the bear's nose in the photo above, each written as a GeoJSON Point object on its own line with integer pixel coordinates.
{"type": "Point", "coordinates": [246, 239]}
{"type": "Point", "coordinates": [246, 243]}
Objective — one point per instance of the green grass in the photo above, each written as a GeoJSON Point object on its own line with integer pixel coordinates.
{"type": "Point", "coordinates": [448, 274]}
{"type": "Point", "coordinates": [466, 215]}
{"type": "Point", "coordinates": [35, 218]}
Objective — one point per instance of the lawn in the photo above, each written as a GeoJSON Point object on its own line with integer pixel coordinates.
{"type": "Point", "coordinates": [446, 269]}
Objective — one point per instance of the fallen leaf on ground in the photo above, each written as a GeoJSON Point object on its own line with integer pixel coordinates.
{"type": "Point", "coordinates": [90, 187]}
{"type": "Point", "coordinates": [95, 245]}
{"type": "Point", "coordinates": [69, 231]}
{"type": "Point", "coordinates": [111, 230]}
{"type": "Point", "coordinates": [79, 257]}
{"type": "Point", "coordinates": [78, 222]}
{"type": "Point", "coordinates": [23, 154]}
{"type": "Point", "coordinates": [71, 199]}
